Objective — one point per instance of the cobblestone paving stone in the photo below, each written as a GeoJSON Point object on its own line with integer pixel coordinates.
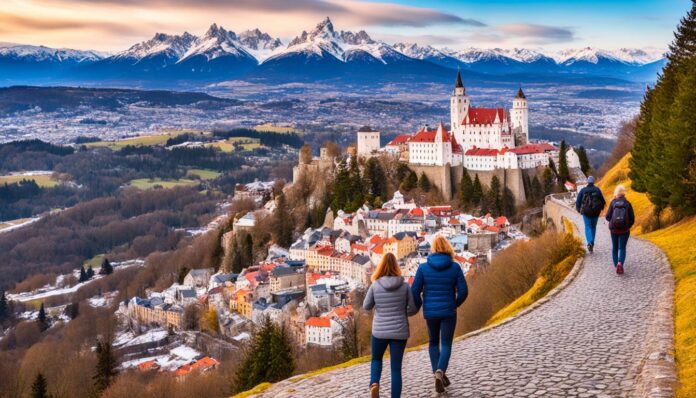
{"type": "Point", "coordinates": [588, 341]}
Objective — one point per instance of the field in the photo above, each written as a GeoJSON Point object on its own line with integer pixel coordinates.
{"type": "Point", "coordinates": [43, 180]}
{"type": "Point", "coordinates": [204, 174]}
{"type": "Point", "coordinates": [148, 183]}
{"type": "Point", "coordinates": [228, 145]}
{"type": "Point", "coordinates": [275, 129]}
{"type": "Point", "coordinates": [12, 223]}
{"type": "Point", "coordinates": [676, 241]}
{"type": "Point", "coordinates": [144, 140]}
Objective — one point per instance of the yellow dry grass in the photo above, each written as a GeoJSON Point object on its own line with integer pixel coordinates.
{"type": "Point", "coordinates": [44, 180]}
{"type": "Point", "coordinates": [204, 174]}
{"type": "Point", "coordinates": [12, 223]}
{"type": "Point", "coordinates": [274, 129]}
{"type": "Point", "coordinates": [148, 183]}
{"type": "Point", "coordinates": [143, 140]}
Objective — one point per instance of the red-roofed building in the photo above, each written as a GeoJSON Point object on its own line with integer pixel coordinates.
{"type": "Point", "coordinates": [434, 148]}
{"type": "Point", "coordinates": [318, 331]}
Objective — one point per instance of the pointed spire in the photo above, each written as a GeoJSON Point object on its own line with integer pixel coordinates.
{"type": "Point", "coordinates": [458, 83]}
{"type": "Point", "coordinates": [520, 93]}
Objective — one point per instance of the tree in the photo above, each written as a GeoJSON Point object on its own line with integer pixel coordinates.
{"type": "Point", "coordinates": [106, 366]}
{"type": "Point", "coordinates": [507, 203]}
{"type": "Point", "coordinates": [552, 166]}
{"type": "Point", "coordinates": [584, 161]}
{"type": "Point", "coordinates": [72, 310]}
{"type": "Point", "coordinates": [39, 389]}
{"type": "Point", "coordinates": [477, 191]}
{"type": "Point", "coordinates": [4, 310]}
{"type": "Point", "coordinates": [282, 362]}
{"type": "Point", "coordinates": [248, 250]}
{"type": "Point", "coordinates": [548, 179]}
{"type": "Point", "coordinates": [90, 272]}
{"type": "Point", "coordinates": [466, 189]}
{"type": "Point", "coordinates": [376, 179]}
{"type": "Point", "coordinates": [192, 314]}
{"type": "Point", "coordinates": [350, 347]}
{"type": "Point", "coordinates": [210, 321]}
{"type": "Point", "coordinates": [306, 154]}
{"type": "Point", "coordinates": [536, 190]}
{"type": "Point", "coordinates": [106, 268]}
{"type": "Point", "coordinates": [83, 274]}
{"type": "Point", "coordinates": [424, 182]}
{"type": "Point", "coordinates": [283, 226]}
{"type": "Point", "coordinates": [410, 182]}
{"type": "Point", "coordinates": [563, 172]}
{"type": "Point", "coordinates": [356, 191]}
{"type": "Point", "coordinates": [42, 319]}
{"type": "Point", "coordinates": [495, 196]}
{"type": "Point", "coordinates": [341, 187]}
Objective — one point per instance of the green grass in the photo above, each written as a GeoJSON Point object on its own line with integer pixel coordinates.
{"type": "Point", "coordinates": [44, 181]}
{"type": "Point", "coordinates": [228, 145]}
{"type": "Point", "coordinates": [149, 183]}
{"type": "Point", "coordinates": [256, 390]}
{"type": "Point", "coordinates": [143, 140]}
{"type": "Point", "coordinates": [270, 127]}
{"type": "Point", "coordinates": [94, 262]}
{"type": "Point", "coordinates": [204, 174]}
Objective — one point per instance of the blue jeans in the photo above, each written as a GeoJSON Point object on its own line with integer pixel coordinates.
{"type": "Point", "coordinates": [590, 228]}
{"type": "Point", "coordinates": [618, 247]}
{"type": "Point", "coordinates": [396, 352]}
{"type": "Point", "coordinates": [441, 334]}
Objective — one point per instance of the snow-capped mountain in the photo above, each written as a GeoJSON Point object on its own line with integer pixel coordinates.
{"type": "Point", "coordinates": [43, 54]}
{"type": "Point", "coordinates": [161, 45]}
{"type": "Point", "coordinates": [259, 44]}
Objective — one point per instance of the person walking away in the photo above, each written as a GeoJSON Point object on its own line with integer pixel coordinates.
{"type": "Point", "coordinates": [440, 287]}
{"type": "Point", "coordinates": [393, 302]}
{"type": "Point", "coordinates": [621, 218]}
{"type": "Point", "coordinates": [590, 203]}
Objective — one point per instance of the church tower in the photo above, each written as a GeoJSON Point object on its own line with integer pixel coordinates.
{"type": "Point", "coordinates": [519, 118]}
{"type": "Point", "coordinates": [459, 106]}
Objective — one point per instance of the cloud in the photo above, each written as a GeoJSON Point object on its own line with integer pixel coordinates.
{"type": "Point", "coordinates": [13, 23]}
{"type": "Point", "coordinates": [542, 33]}
{"type": "Point", "coordinates": [433, 40]}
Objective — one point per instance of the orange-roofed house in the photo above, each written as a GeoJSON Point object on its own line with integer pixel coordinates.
{"type": "Point", "coordinates": [340, 313]}
{"type": "Point", "coordinates": [147, 366]}
{"type": "Point", "coordinates": [319, 331]}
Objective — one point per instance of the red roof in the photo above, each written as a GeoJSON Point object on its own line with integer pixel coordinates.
{"type": "Point", "coordinates": [400, 139]}
{"type": "Point", "coordinates": [484, 115]}
{"type": "Point", "coordinates": [481, 152]}
{"type": "Point", "coordinates": [417, 211]}
{"type": "Point", "coordinates": [204, 363]}
{"type": "Point", "coordinates": [429, 135]}
{"type": "Point", "coordinates": [359, 246]}
{"type": "Point", "coordinates": [501, 221]}
{"type": "Point", "coordinates": [533, 148]}
{"type": "Point", "coordinates": [148, 365]}
{"type": "Point", "coordinates": [318, 322]}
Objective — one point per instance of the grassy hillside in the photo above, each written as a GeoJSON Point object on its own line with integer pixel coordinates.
{"type": "Point", "coordinates": [677, 242]}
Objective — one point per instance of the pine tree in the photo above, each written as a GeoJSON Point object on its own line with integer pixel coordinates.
{"type": "Point", "coordinates": [268, 358]}
{"type": "Point", "coordinates": [640, 153]}
{"type": "Point", "coordinates": [548, 181]}
{"type": "Point", "coordinates": [584, 161]}
{"type": "Point", "coordinates": [563, 172]}
{"type": "Point", "coordinates": [90, 272]}
{"type": "Point", "coordinates": [552, 166]}
{"type": "Point", "coordinates": [356, 192]}
{"type": "Point", "coordinates": [410, 182]}
{"type": "Point", "coordinates": [39, 389]}
{"type": "Point", "coordinates": [477, 191]}
{"type": "Point", "coordinates": [248, 250]}
{"type": "Point", "coordinates": [283, 226]}
{"type": "Point", "coordinates": [341, 187]}
{"type": "Point", "coordinates": [424, 183]}
{"type": "Point", "coordinates": [376, 179]}
{"type": "Point", "coordinates": [507, 203]}
{"type": "Point", "coordinates": [282, 363]}
{"type": "Point", "coordinates": [72, 310]}
{"type": "Point", "coordinates": [4, 310]}
{"type": "Point", "coordinates": [106, 268]}
{"type": "Point", "coordinates": [83, 274]}
{"type": "Point", "coordinates": [466, 189]}
{"type": "Point", "coordinates": [210, 321]}
{"type": "Point", "coordinates": [42, 319]}
{"type": "Point", "coordinates": [106, 366]}
{"type": "Point", "coordinates": [495, 196]}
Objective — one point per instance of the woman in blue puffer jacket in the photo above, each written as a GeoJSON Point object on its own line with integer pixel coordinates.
{"type": "Point", "coordinates": [440, 287]}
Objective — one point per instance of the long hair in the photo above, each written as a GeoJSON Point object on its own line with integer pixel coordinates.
{"type": "Point", "coordinates": [442, 245]}
{"type": "Point", "coordinates": [620, 190]}
{"type": "Point", "coordinates": [387, 267]}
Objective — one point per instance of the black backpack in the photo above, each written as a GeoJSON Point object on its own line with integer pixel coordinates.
{"type": "Point", "coordinates": [619, 217]}
{"type": "Point", "coordinates": [591, 204]}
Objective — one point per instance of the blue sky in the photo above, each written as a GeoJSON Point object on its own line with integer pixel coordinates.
{"type": "Point", "coordinates": [113, 25]}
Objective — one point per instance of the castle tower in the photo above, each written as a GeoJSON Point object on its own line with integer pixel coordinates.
{"type": "Point", "coordinates": [368, 141]}
{"type": "Point", "coordinates": [519, 118]}
{"type": "Point", "coordinates": [459, 106]}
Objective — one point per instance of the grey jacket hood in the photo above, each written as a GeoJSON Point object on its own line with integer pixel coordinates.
{"type": "Point", "coordinates": [390, 282]}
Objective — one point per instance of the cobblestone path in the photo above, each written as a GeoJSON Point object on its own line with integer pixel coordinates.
{"type": "Point", "coordinates": [588, 341]}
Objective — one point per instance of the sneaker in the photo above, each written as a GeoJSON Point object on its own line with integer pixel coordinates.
{"type": "Point", "coordinates": [590, 247]}
{"type": "Point", "coordinates": [374, 390]}
{"type": "Point", "coordinates": [619, 269]}
{"type": "Point", "coordinates": [439, 381]}
{"type": "Point", "coordinates": [446, 380]}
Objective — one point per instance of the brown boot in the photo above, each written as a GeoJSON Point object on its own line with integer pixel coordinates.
{"type": "Point", "coordinates": [439, 381]}
{"type": "Point", "coordinates": [374, 390]}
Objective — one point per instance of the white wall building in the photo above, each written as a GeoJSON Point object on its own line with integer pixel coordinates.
{"type": "Point", "coordinates": [319, 331]}
{"type": "Point", "coordinates": [368, 141]}
{"type": "Point", "coordinates": [434, 148]}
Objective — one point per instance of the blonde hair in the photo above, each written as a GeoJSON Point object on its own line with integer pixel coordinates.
{"type": "Point", "coordinates": [387, 267]}
{"type": "Point", "coordinates": [620, 190]}
{"type": "Point", "coordinates": [442, 245]}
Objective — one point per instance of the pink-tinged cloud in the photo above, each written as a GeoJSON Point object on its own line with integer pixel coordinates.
{"type": "Point", "coordinates": [541, 32]}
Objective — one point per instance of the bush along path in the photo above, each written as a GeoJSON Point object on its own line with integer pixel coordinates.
{"type": "Point", "coordinates": [604, 335]}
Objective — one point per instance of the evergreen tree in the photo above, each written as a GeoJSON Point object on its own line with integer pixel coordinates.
{"type": "Point", "coordinates": [548, 181]}
{"type": "Point", "coordinates": [376, 179]}
{"type": "Point", "coordinates": [106, 268]}
{"type": "Point", "coordinates": [507, 203]}
{"type": "Point", "coordinates": [495, 196]}
{"type": "Point", "coordinates": [341, 187]}
{"type": "Point", "coordinates": [236, 263]}
{"type": "Point", "coordinates": [584, 161]}
{"type": "Point", "coordinates": [4, 310]}
{"type": "Point", "coordinates": [640, 153]}
{"type": "Point", "coordinates": [563, 172]}
{"type": "Point", "coordinates": [552, 166]}
{"type": "Point", "coordinates": [356, 192]}
{"type": "Point", "coordinates": [466, 189]}
{"type": "Point", "coordinates": [210, 321]}
{"type": "Point", "coordinates": [410, 182]}
{"type": "Point", "coordinates": [402, 171]}
{"type": "Point", "coordinates": [83, 274]}
{"type": "Point", "coordinates": [39, 389]}
{"type": "Point", "coordinates": [106, 366]}
{"type": "Point", "coordinates": [282, 363]}
{"type": "Point", "coordinates": [424, 183]}
{"type": "Point", "coordinates": [72, 310]}
{"type": "Point", "coordinates": [537, 191]}
{"type": "Point", "coordinates": [283, 226]}
{"type": "Point", "coordinates": [248, 251]}
{"type": "Point", "coordinates": [90, 272]}
{"type": "Point", "coordinates": [477, 191]}
{"type": "Point", "coordinates": [42, 319]}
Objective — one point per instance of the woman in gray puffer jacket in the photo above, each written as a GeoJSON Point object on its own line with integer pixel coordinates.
{"type": "Point", "coordinates": [393, 302]}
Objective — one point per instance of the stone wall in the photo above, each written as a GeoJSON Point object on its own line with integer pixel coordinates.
{"type": "Point", "coordinates": [440, 176]}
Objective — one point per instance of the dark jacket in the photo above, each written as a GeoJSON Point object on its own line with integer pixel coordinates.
{"type": "Point", "coordinates": [629, 210]}
{"type": "Point", "coordinates": [587, 189]}
{"type": "Point", "coordinates": [393, 301]}
{"type": "Point", "coordinates": [439, 286]}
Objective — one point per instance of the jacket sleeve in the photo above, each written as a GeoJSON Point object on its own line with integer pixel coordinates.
{"type": "Point", "coordinates": [369, 302]}
{"type": "Point", "coordinates": [462, 288]}
{"type": "Point", "coordinates": [417, 289]}
{"type": "Point", "coordinates": [578, 199]}
{"type": "Point", "coordinates": [631, 215]}
{"type": "Point", "coordinates": [412, 309]}
{"type": "Point", "coordinates": [610, 210]}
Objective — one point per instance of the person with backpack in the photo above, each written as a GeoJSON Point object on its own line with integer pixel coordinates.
{"type": "Point", "coordinates": [392, 300]}
{"type": "Point", "coordinates": [440, 286]}
{"type": "Point", "coordinates": [590, 203]}
{"type": "Point", "coordinates": [621, 218]}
